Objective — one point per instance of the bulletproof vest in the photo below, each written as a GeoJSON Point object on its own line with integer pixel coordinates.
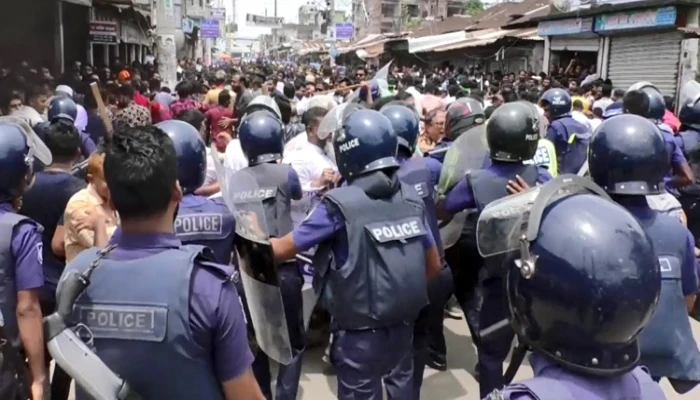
{"type": "Point", "coordinates": [440, 150]}
{"type": "Point", "coordinates": [691, 144]}
{"type": "Point", "coordinates": [272, 180]}
{"type": "Point", "coordinates": [8, 285]}
{"type": "Point", "coordinates": [137, 312]}
{"type": "Point", "coordinates": [415, 173]}
{"type": "Point", "coordinates": [207, 224]}
{"type": "Point", "coordinates": [488, 186]}
{"type": "Point", "coordinates": [666, 344]}
{"type": "Point", "coordinates": [638, 385]}
{"type": "Point", "coordinates": [382, 282]}
{"type": "Point", "coordinates": [578, 136]}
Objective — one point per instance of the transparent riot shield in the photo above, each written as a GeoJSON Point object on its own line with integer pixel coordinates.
{"type": "Point", "coordinates": [508, 222]}
{"type": "Point", "coordinates": [382, 73]}
{"type": "Point", "coordinates": [258, 270]}
{"type": "Point", "coordinates": [690, 94]}
{"type": "Point", "coordinates": [37, 147]}
{"type": "Point", "coordinates": [468, 152]}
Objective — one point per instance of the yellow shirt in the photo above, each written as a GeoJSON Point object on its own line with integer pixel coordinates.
{"type": "Point", "coordinates": [78, 206]}
{"type": "Point", "coordinates": [212, 97]}
{"type": "Point", "coordinates": [583, 101]}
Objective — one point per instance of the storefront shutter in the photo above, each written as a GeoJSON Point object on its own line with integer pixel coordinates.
{"type": "Point", "coordinates": [573, 44]}
{"type": "Point", "coordinates": [646, 57]}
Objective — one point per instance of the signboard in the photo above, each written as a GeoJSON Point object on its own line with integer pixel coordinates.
{"type": "Point", "coordinates": [209, 29]}
{"type": "Point", "coordinates": [344, 31]}
{"type": "Point", "coordinates": [104, 32]}
{"type": "Point", "coordinates": [218, 13]}
{"type": "Point", "coordinates": [187, 26]}
{"type": "Point", "coordinates": [259, 20]}
{"type": "Point", "coordinates": [569, 26]}
{"type": "Point", "coordinates": [653, 18]}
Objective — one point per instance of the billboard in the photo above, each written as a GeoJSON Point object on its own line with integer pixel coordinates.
{"type": "Point", "coordinates": [344, 31]}
{"type": "Point", "coordinates": [209, 29]}
{"type": "Point", "coordinates": [259, 20]}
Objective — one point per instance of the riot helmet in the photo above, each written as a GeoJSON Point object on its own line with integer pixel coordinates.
{"type": "Point", "coordinates": [261, 138]}
{"type": "Point", "coordinates": [19, 148]}
{"type": "Point", "coordinates": [62, 108]}
{"type": "Point", "coordinates": [583, 306]}
{"type": "Point", "coordinates": [367, 142]}
{"type": "Point", "coordinates": [556, 103]}
{"type": "Point", "coordinates": [405, 123]}
{"type": "Point", "coordinates": [512, 132]}
{"type": "Point", "coordinates": [689, 101]}
{"type": "Point", "coordinates": [627, 156]}
{"type": "Point", "coordinates": [191, 154]}
{"type": "Point", "coordinates": [373, 90]}
{"type": "Point", "coordinates": [657, 106]}
{"type": "Point", "coordinates": [462, 115]}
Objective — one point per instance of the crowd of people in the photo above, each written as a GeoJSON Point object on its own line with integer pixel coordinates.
{"type": "Point", "coordinates": [346, 166]}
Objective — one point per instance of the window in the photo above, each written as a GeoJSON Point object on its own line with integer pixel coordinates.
{"type": "Point", "coordinates": [388, 10]}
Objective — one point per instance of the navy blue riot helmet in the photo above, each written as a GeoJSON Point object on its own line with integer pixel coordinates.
{"type": "Point", "coordinates": [191, 154]}
{"type": "Point", "coordinates": [689, 115]}
{"type": "Point", "coordinates": [405, 123]}
{"type": "Point", "coordinates": [261, 138]}
{"type": "Point", "coordinates": [367, 142]}
{"type": "Point", "coordinates": [19, 147]}
{"type": "Point", "coordinates": [583, 305]}
{"type": "Point", "coordinates": [657, 105]}
{"type": "Point", "coordinates": [62, 108]}
{"type": "Point", "coordinates": [627, 156]}
{"type": "Point", "coordinates": [513, 132]}
{"type": "Point", "coordinates": [556, 102]}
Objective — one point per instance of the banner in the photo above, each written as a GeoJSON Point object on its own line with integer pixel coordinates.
{"type": "Point", "coordinates": [344, 31]}
{"type": "Point", "coordinates": [218, 14]}
{"type": "Point", "coordinates": [209, 29]}
{"type": "Point", "coordinates": [259, 20]}
{"type": "Point", "coordinates": [104, 32]}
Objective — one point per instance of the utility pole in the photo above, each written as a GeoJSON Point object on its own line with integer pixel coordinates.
{"type": "Point", "coordinates": [165, 29]}
{"type": "Point", "coordinates": [275, 45]}
{"type": "Point", "coordinates": [330, 29]}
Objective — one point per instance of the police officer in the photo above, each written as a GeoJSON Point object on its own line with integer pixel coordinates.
{"type": "Point", "coordinates": [570, 137]}
{"type": "Point", "coordinates": [163, 316]}
{"type": "Point", "coordinates": [512, 134]}
{"type": "Point", "coordinates": [63, 109]}
{"type": "Point", "coordinates": [629, 167]}
{"type": "Point", "coordinates": [21, 275]}
{"type": "Point", "coordinates": [583, 289]}
{"type": "Point", "coordinates": [262, 143]}
{"type": "Point", "coordinates": [688, 141]}
{"type": "Point", "coordinates": [423, 174]}
{"type": "Point", "coordinates": [200, 221]}
{"type": "Point", "coordinates": [462, 115]}
{"type": "Point", "coordinates": [645, 100]}
{"type": "Point", "coordinates": [383, 253]}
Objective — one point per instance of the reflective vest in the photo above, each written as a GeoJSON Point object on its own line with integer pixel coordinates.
{"type": "Point", "coordinates": [546, 157]}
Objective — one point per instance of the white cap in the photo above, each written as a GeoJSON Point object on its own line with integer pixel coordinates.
{"type": "Point", "coordinates": [65, 89]}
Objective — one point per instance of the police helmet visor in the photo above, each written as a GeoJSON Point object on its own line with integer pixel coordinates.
{"type": "Point", "coordinates": [258, 271]}
{"type": "Point", "coordinates": [469, 152]}
{"type": "Point", "coordinates": [690, 94]}
{"type": "Point", "coordinates": [333, 121]}
{"type": "Point", "coordinates": [37, 148]}
{"type": "Point", "coordinates": [506, 224]}
{"type": "Point", "coordinates": [263, 103]}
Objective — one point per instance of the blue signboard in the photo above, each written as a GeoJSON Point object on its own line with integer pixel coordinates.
{"type": "Point", "coordinates": [209, 28]}
{"type": "Point", "coordinates": [569, 26]}
{"type": "Point", "coordinates": [654, 18]}
{"type": "Point", "coordinates": [344, 31]}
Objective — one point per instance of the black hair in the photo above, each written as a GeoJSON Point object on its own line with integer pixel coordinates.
{"type": "Point", "coordinates": [289, 90]}
{"type": "Point", "coordinates": [63, 139]}
{"type": "Point", "coordinates": [636, 102]}
{"type": "Point", "coordinates": [126, 90]}
{"type": "Point", "coordinates": [577, 105]}
{"type": "Point", "coordinates": [140, 169]}
{"type": "Point", "coordinates": [619, 93]}
{"type": "Point", "coordinates": [508, 95]}
{"type": "Point", "coordinates": [606, 90]}
{"type": "Point", "coordinates": [313, 116]}
{"type": "Point", "coordinates": [224, 98]}
{"type": "Point", "coordinates": [184, 89]}
{"type": "Point", "coordinates": [193, 117]}
{"type": "Point", "coordinates": [669, 102]}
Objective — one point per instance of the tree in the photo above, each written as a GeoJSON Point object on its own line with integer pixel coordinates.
{"type": "Point", "coordinates": [472, 7]}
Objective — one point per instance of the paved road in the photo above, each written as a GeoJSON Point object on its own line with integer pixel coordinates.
{"type": "Point", "coordinates": [457, 383]}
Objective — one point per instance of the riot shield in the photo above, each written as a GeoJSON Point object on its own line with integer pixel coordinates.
{"type": "Point", "coordinates": [37, 147]}
{"type": "Point", "coordinates": [263, 103]}
{"type": "Point", "coordinates": [506, 223]}
{"type": "Point", "coordinates": [383, 73]}
{"type": "Point", "coordinates": [690, 94]}
{"type": "Point", "coordinates": [468, 152]}
{"type": "Point", "coordinates": [256, 263]}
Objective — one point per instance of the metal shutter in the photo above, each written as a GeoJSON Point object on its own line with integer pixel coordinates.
{"type": "Point", "coordinates": [648, 57]}
{"type": "Point", "coordinates": [571, 44]}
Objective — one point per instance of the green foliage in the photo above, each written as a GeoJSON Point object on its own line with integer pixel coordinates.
{"type": "Point", "coordinates": [472, 7]}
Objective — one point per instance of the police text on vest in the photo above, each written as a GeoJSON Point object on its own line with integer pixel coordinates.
{"type": "Point", "coordinates": [127, 322]}
{"type": "Point", "coordinates": [193, 224]}
{"type": "Point", "coordinates": [400, 230]}
{"type": "Point", "coordinates": [254, 194]}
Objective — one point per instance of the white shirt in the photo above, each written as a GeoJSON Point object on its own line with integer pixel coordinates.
{"type": "Point", "coordinates": [595, 123]}
{"type": "Point", "coordinates": [582, 118]}
{"type": "Point", "coordinates": [308, 161]}
{"type": "Point", "coordinates": [234, 159]}
{"type": "Point", "coordinates": [417, 99]}
{"type": "Point", "coordinates": [298, 142]}
{"type": "Point", "coordinates": [603, 103]}
{"type": "Point", "coordinates": [211, 169]}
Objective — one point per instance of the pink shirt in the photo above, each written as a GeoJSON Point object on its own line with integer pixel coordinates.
{"type": "Point", "coordinates": [671, 120]}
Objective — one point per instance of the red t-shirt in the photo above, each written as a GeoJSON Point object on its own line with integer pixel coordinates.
{"type": "Point", "coordinates": [141, 100]}
{"type": "Point", "coordinates": [214, 115]}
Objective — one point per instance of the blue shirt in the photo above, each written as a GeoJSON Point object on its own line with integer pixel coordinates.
{"type": "Point", "coordinates": [27, 251]}
{"type": "Point", "coordinates": [433, 165]}
{"type": "Point", "coordinates": [461, 196]}
{"type": "Point", "coordinates": [326, 222]}
{"type": "Point", "coordinates": [216, 317]}
{"type": "Point", "coordinates": [638, 206]}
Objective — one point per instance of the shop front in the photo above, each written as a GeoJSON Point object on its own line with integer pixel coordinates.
{"type": "Point", "coordinates": [644, 45]}
{"type": "Point", "coordinates": [568, 40]}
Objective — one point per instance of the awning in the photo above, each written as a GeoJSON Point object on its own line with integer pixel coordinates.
{"type": "Point", "coordinates": [417, 45]}
{"type": "Point", "coordinates": [489, 36]}
{"type": "Point", "coordinates": [86, 3]}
